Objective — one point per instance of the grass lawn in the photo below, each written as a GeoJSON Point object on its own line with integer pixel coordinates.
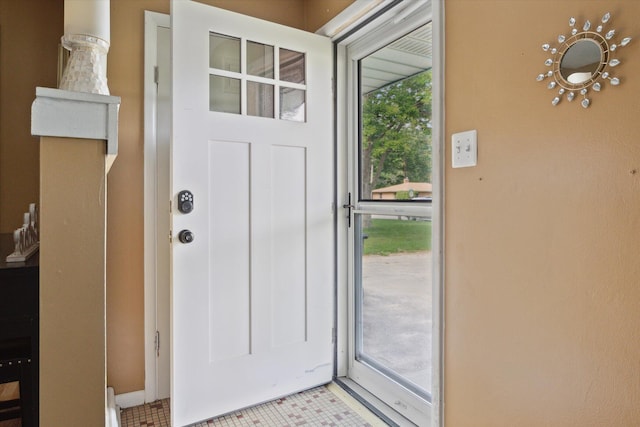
{"type": "Point", "coordinates": [389, 236]}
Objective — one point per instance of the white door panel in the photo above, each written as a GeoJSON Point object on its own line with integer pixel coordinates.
{"type": "Point", "coordinates": [252, 306]}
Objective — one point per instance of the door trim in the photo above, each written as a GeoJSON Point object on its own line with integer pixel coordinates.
{"type": "Point", "coordinates": [152, 21]}
{"type": "Point", "coordinates": [437, 234]}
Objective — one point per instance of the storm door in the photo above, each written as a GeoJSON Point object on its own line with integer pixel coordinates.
{"type": "Point", "coordinates": [392, 203]}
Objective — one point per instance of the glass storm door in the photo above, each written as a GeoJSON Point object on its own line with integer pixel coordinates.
{"type": "Point", "coordinates": [391, 185]}
{"type": "Point", "coordinates": [252, 284]}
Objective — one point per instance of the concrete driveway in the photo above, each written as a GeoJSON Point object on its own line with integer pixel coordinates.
{"type": "Point", "coordinates": [397, 311]}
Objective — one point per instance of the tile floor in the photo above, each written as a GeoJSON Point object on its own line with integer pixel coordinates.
{"type": "Point", "coordinates": [152, 414]}
{"type": "Point", "coordinates": [316, 407]}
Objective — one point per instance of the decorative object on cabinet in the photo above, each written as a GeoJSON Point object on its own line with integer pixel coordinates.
{"type": "Point", "coordinates": [583, 61]}
{"type": "Point", "coordinates": [26, 239]}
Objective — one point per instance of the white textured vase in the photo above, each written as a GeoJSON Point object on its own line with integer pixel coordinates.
{"type": "Point", "coordinates": [86, 70]}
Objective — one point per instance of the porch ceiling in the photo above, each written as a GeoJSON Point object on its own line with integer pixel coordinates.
{"type": "Point", "coordinates": [405, 57]}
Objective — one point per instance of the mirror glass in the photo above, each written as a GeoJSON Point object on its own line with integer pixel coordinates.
{"type": "Point", "coordinates": [580, 61]}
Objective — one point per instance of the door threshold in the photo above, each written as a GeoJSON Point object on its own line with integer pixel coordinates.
{"type": "Point", "coordinates": [356, 394]}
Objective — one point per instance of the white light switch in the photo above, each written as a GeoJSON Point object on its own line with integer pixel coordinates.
{"type": "Point", "coordinates": [464, 149]}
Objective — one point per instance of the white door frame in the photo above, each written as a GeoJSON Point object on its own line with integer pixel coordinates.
{"type": "Point", "coordinates": [154, 20]}
{"type": "Point", "coordinates": [438, 242]}
{"type": "Point", "coordinates": [152, 312]}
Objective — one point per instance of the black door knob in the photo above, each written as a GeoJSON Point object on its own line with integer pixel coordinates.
{"type": "Point", "coordinates": [185, 236]}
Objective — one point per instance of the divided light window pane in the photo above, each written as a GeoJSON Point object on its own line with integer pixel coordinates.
{"type": "Point", "coordinates": [259, 59]}
{"type": "Point", "coordinates": [292, 104]}
{"type": "Point", "coordinates": [292, 66]}
{"type": "Point", "coordinates": [224, 94]}
{"type": "Point", "coordinates": [224, 52]}
{"type": "Point", "coordinates": [260, 99]}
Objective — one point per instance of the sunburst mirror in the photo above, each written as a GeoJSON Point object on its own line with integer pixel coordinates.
{"type": "Point", "coordinates": [582, 62]}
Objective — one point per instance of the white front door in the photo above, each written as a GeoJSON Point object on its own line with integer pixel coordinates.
{"type": "Point", "coordinates": [252, 293]}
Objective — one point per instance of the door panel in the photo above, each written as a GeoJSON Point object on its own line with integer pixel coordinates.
{"type": "Point", "coordinates": [288, 205]}
{"type": "Point", "coordinates": [252, 294]}
{"type": "Point", "coordinates": [230, 299]}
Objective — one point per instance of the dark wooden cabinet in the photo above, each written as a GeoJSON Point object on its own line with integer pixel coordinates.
{"type": "Point", "coordinates": [19, 321]}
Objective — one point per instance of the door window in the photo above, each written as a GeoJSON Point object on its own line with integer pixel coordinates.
{"type": "Point", "coordinates": [247, 83]}
{"type": "Point", "coordinates": [395, 112]}
{"type": "Point", "coordinates": [393, 290]}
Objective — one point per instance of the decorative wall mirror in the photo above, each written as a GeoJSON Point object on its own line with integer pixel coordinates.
{"type": "Point", "coordinates": [582, 61]}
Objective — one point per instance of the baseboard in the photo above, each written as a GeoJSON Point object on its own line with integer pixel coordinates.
{"type": "Point", "coordinates": [113, 411]}
{"type": "Point", "coordinates": [127, 400]}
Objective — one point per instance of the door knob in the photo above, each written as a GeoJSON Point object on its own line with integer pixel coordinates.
{"type": "Point", "coordinates": [185, 236]}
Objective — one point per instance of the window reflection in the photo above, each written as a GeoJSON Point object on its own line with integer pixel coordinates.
{"type": "Point", "coordinates": [292, 66]}
{"type": "Point", "coordinates": [224, 52]}
{"type": "Point", "coordinates": [292, 104]}
{"type": "Point", "coordinates": [259, 99]}
{"type": "Point", "coordinates": [259, 59]}
{"type": "Point", "coordinates": [224, 94]}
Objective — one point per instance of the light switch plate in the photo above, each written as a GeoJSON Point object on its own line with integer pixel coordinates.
{"type": "Point", "coordinates": [464, 149]}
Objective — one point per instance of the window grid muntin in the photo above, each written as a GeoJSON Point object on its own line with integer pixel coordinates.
{"type": "Point", "coordinates": [245, 77]}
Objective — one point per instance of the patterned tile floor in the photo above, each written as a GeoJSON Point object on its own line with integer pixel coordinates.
{"type": "Point", "coordinates": [316, 407]}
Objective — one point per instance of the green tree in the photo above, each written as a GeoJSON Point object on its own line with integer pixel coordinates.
{"type": "Point", "coordinates": [396, 133]}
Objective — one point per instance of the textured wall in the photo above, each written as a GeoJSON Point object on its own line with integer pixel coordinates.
{"type": "Point", "coordinates": [29, 36]}
{"type": "Point", "coordinates": [542, 264]}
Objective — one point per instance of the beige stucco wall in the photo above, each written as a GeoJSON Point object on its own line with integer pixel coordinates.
{"type": "Point", "coordinates": [542, 247]}
{"type": "Point", "coordinates": [29, 36]}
